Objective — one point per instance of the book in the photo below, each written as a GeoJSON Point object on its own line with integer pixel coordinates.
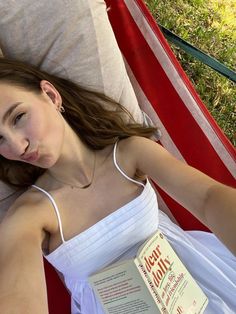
{"type": "Point", "coordinates": [155, 281]}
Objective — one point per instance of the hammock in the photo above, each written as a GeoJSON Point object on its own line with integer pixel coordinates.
{"type": "Point", "coordinates": [165, 93]}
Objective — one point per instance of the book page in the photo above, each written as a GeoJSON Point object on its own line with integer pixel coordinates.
{"type": "Point", "coordinates": [177, 289]}
{"type": "Point", "coordinates": [121, 290]}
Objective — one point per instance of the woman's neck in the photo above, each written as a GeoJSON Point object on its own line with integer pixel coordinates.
{"type": "Point", "coordinates": [75, 163]}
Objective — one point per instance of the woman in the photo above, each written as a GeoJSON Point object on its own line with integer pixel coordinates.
{"type": "Point", "coordinates": [89, 202]}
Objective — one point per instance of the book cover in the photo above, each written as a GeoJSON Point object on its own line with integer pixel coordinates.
{"type": "Point", "coordinates": [155, 281]}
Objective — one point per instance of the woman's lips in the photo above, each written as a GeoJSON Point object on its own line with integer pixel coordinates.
{"type": "Point", "coordinates": [31, 157]}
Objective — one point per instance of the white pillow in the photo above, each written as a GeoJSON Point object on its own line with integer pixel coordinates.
{"type": "Point", "coordinates": [72, 38]}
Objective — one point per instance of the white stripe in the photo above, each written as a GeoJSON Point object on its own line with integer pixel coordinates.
{"type": "Point", "coordinates": [180, 87]}
{"type": "Point", "coordinates": [56, 209]}
{"type": "Point", "coordinates": [165, 139]}
{"type": "Point", "coordinates": [146, 106]}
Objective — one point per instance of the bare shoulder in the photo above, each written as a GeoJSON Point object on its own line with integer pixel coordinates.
{"type": "Point", "coordinates": [126, 149]}
{"type": "Point", "coordinates": [135, 145]}
{"type": "Point", "coordinates": [129, 143]}
{"type": "Point", "coordinates": [135, 142]}
{"type": "Point", "coordinates": [129, 152]}
{"type": "Point", "coordinates": [28, 216]}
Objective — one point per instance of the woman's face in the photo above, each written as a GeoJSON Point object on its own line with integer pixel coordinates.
{"type": "Point", "coordinates": [31, 127]}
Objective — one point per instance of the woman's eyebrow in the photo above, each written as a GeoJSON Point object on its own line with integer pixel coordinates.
{"type": "Point", "coordinates": [9, 111]}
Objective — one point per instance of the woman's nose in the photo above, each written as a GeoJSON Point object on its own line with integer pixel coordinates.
{"type": "Point", "coordinates": [18, 146]}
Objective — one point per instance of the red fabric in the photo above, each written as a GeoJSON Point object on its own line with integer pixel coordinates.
{"type": "Point", "coordinates": [58, 297]}
{"type": "Point", "coordinates": [179, 122]}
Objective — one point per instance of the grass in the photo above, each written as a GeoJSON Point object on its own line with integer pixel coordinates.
{"type": "Point", "coordinates": [209, 25]}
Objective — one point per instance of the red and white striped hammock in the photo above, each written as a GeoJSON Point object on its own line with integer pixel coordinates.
{"type": "Point", "coordinates": [165, 93]}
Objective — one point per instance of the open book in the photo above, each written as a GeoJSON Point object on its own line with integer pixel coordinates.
{"type": "Point", "coordinates": [155, 281]}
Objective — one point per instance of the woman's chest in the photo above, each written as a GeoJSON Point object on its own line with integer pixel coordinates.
{"type": "Point", "coordinates": [109, 239]}
{"type": "Point", "coordinates": [81, 209]}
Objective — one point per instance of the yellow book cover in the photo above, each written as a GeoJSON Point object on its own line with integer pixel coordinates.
{"type": "Point", "coordinates": [155, 281]}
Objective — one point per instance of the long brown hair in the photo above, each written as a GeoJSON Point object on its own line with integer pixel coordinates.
{"type": "Point", "coordinates": [98, 120]}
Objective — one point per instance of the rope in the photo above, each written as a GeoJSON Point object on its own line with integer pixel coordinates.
{"type": "Point", "coordinates": [198, 54]}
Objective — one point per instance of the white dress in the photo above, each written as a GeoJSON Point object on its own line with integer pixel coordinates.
{"type": "Point", "coordinates": [118, 236]}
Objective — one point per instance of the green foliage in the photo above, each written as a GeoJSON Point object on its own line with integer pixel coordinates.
{"type": "Point", "coordinates": [209, 25]}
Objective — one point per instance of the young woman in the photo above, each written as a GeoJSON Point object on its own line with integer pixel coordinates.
{"type": "Point", "coordinates": [88, 199]}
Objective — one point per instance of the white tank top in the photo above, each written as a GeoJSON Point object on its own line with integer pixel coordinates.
{"type": "Point", "coordinates": [118, 236]}
{"type": "Point", "coordinates": [115, 237]}
{"type": "Point", "coordinates": [55, 205]}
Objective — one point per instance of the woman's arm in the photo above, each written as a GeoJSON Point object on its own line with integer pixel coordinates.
{"type": "Point", "coordinates": [211, 202]}
{"type": "Point", "coordinates": [22, 279]}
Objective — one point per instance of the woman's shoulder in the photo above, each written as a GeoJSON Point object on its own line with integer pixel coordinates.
{"type": "Point", "coordinates": [127, 154]}
{"type": "Point", "coordinates": [131, 145]}
{"type": "Point", "coordinates": [132, 141]}
{"type": "Point", "coordinates": [30, 212]}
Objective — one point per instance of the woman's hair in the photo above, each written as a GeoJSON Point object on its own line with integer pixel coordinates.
{"type": "Point", "coordinates": [98, 120]}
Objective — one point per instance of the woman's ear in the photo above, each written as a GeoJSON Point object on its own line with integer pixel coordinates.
{"type": "Point", "coordinates": [50, 91]}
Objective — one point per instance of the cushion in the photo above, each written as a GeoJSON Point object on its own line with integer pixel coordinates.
{"type": "Point", "coordinates": [72, 38]}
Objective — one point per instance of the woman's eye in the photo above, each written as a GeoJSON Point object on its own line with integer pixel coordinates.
{"type": "Point", "coordinates": [18, 117]}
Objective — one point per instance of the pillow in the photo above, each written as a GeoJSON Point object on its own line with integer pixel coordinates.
{"type": "Point", "coordinates": [71, 38]}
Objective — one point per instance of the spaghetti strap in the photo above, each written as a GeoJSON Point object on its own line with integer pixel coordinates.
{"type": "Point", "coordinates": [55, 207]}
{"type": "Point", "coordinates": [121, 171]}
